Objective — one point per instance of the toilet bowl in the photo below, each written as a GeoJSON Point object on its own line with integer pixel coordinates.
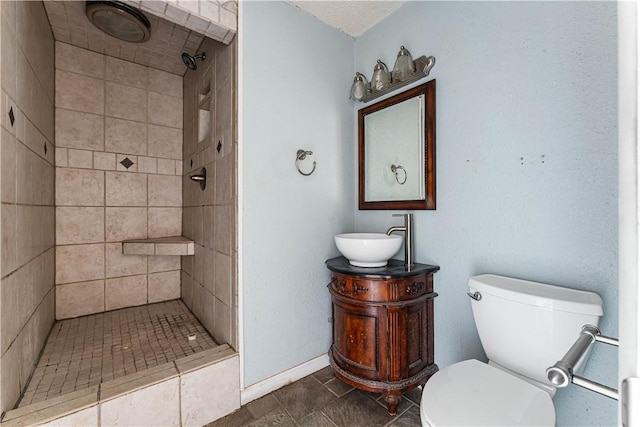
{"type": "Point", "coordinates": [472, 393]}
{"type": "Point", "coordinates": [524, 328]}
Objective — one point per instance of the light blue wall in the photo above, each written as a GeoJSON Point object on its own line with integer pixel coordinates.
{"type": "Point", "coordinates": [526, 157]}
{"type": "Point", "coordinates": [526, 167]}
{"type": "Point", "coordinates": [296, 78]}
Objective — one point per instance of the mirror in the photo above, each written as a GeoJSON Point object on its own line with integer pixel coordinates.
{"type": "Point", "coordinates": [396, 151]}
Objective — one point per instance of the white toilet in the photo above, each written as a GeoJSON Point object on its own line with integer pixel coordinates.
{"type": "Point", "coordinates": [525, 327]}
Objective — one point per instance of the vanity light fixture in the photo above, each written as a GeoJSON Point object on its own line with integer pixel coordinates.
{"type": "Point", "coordinates": [359, 87]}
{"type": "Point", "coordinates": [404, 65]}
{"type": "Point", "coordinates": [381, 77]}
{"type": "Point", "coordinates": [405, 71]}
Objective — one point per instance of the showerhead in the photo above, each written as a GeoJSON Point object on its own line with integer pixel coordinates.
{"type": "Point", "coordinates": [190, 61]}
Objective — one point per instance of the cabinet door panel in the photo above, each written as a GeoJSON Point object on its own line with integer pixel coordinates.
{"type": "Point", "coordinates": [419, 337]}
{"type": "Point", "coordinates": [357, 332]}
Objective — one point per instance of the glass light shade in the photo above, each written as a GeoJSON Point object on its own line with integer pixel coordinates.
{"type": "Point", "coordinates": [359, 87]}
{"type": "Point", "coordinates": [380, 79]}
{"type": "Point", "coordinates": [404, 65]}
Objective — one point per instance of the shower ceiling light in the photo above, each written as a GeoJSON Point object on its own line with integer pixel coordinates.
{"type": "Point", "coordinates": [119, 20]}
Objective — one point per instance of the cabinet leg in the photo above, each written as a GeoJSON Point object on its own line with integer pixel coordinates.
{"type": "Point", "coordinates": [392, 398]}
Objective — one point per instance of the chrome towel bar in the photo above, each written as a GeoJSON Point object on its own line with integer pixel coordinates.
{"type": "Point", "coordinates": [561, 374]}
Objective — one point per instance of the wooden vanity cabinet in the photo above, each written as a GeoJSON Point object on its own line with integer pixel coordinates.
{"type": "Point", "coordinates": [382, 326]}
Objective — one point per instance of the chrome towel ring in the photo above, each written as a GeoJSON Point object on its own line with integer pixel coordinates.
{"type": "Point", "coordinates": [395, 169]}
{"type": "Point", "coordinates": [302, 155]}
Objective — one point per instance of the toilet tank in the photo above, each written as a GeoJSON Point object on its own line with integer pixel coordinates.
{"type": "Point", "coordinates": [528, 326]}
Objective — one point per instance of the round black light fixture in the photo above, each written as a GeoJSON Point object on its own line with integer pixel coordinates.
{"type": "Point", "coordinates": [119, 20]}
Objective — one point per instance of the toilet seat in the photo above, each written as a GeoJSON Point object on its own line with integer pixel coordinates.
{"type": "Point", "coordinates": [472, 393]}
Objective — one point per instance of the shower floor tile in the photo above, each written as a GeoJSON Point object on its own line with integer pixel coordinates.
{"type": "Point", "coordinates": [88, 350]}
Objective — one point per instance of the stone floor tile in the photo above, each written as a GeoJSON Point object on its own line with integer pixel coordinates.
{"type": "Point", "coordinates": [410, 418]}
{"type": "Point", "coordinates": [316, 419]}
{"type": "Point", "coordinates": [304, 397]}
{"type": "Point", "coordinates": [261, 407]}
{"type": "Point", "coordinates": [277, 418]}
{"type": "Point", "coordinates": [357, 409]}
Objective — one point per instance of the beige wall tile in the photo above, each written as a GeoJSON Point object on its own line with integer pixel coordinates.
{"type": "Point", "coordinates": [126, 189]}
{"type": "Point", "coordinates": [157, 405]}
{"type": "Point", "coordinates": [200, 403]}
{"type": "Point", "coordinates": [8, 237]}
{"type": "Point", "coordinates": [165, 83]}
{"type": "Point", "coordinates": [125, 292]}
{"type": "Point", "coordinates": [9, 56]}
{"type": "Point", "coordinates": [79, 225]}
{"type": "Point", "coordinates": [34, 178]}
{"type": "Point", "coordinates": [209, 270]}
{"type": "Point", "coordinates": [8, 155]}
{"type": "Point", "coordinates": [186, 289]}
{"type": "Point", "coordinates": [222, 321]}
{"type": "Point", "coordinates": [118, 265]}
{"type": "Point", "coordinates": [165, 190]}
{"type": "Point", "coordinates": [222, 278]}
{"type": "Point", "coordinates": [87, 417]}
{"type": "Point", "coordinates": [224, 180]}
{"type": "Point", "coordinates": [166, 167]}
{"type": "Point", "coordinates": [165, 222]}
{"type": "Point", "coordinates": [62, 157]}
{"type": "Point", "coordinates": [80, 159]}
{"type": "Point", "coordinates": [125, 136]}
{"type": "Point", "coordinates": [77, 60]}
{"type": "Point", "coordinates": [79, 130]}
{"type": "Point", "coordinates": [125, 223]}
{"type": "Point", "coordinates": [159, 264]}
{"type": "Point", "coordinates": [165, 142]}
{"type": "Point", "coordinates": [164, 286]}
{"type": "Point", "coordinates": [125, 102]}
{"type": "Point", "coordinates": [10, 304]}
{"type": "Point", "coordinates": [165, 110]}
{"type": "Point", "coordinates": [222, 228]}
{"type": "Point", "coordinates": [126, 73]}
{"type": "Point", "coordinates": [79, 93]}
{"type": "Point", "coordinates": [147, 164]}
{"type": "Point", "coordinates": [104, 161]}
{"type": "Point", "coordinates": [10, 384]}
{"type": "Point", "coordinates": [79, 187]}
{"type": "Point", "coordinates": [35, 231]}
{"type": "Point", "coordinates": [79, 299]}
{"type": "Point", "coordinates": [78, 263]}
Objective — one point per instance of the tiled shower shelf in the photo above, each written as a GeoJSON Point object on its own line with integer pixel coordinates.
{"type": "Point", "coordinates": [177, 245]}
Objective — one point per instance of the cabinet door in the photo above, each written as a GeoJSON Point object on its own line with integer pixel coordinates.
{"type": "Point", "coordinates": [419, 336]}
{"type": "Point", "coordinates": [359, 333]}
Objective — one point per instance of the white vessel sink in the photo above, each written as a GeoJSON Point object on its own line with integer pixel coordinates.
{"type": "Point", "coordinates": [368, 249]}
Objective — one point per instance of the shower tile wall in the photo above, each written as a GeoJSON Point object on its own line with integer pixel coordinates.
{"type": "Point", "coordinates": [209, 277]}
{"type": "Point", "coordinates": [27, 192]}
{"type": "Point", "coordinates": [118, 176]}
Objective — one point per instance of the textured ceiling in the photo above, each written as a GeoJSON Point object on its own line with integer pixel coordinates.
{"type": "Point", "coordinates": [163, 51]}
{"type": "Point", "coordinates": [353, 17]}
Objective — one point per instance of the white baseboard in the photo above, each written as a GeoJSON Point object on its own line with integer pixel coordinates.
{"type": "Point", "coordinates": [280, 380]}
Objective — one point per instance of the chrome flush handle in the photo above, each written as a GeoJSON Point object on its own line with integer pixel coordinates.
{"type": "Point", "coordinates": [476, 295]}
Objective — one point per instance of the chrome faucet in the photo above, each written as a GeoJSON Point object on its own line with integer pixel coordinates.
{"type": "Point", "coordinates": [408, 242]}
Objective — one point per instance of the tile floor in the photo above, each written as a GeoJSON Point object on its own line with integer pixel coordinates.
{"type": "Point", "coordinates": [88, 350]}
{"type": "Point", "coordinates": [321, 400]}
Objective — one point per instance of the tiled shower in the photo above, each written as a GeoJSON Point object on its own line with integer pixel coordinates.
{"type": "Point", "coordinates": [97, 146]}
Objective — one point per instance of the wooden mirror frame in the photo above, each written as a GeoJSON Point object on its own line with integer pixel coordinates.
{"type": "Point", "coordinates": [429, 203]}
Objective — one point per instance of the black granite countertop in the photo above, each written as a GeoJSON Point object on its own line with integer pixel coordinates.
{"type": "Point", "coordinates": [393, 269]}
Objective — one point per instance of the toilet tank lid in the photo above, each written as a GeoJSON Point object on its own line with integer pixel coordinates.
{"type": "Point", "coordinates": [539, 294]}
